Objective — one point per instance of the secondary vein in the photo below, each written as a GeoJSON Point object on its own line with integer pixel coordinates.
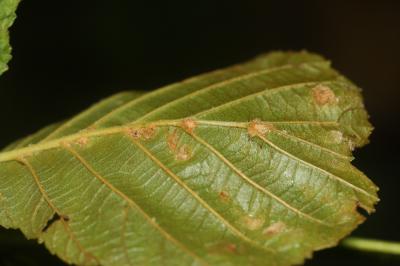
{"type": "Point", "coordinates": [253, 183]}
{"type": "Point", "coordinates": [132, 203]}
{"type": "Point", "coordinates": [178, 180]}
{"type": "Point", "coordinates": [55, 209]}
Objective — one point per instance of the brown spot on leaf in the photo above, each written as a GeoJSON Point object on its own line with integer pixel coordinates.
{"type": "Point", "coordinates": [148, 132]}
{"type": "Point", "coordinates": [226, 247]}
{"type": "Point", "coordinates": [65, 144]}
{"type": "Point", "coordinates": [189, 125]}
{"type": "Point", "coordinates": [253, 223]}
{"type": "Point", "coordinates": [259, 128]}
{"type": "Point", "coordinates": [274, 229]}
{"type": "Point", "coordinates": [172, 141]}
{"type": "Point", "coordinates": [323, 95]}
{"type": "Point", "coordinates": [135, 133]}
{"type": "Point", "coordinates": [183, 153]}
{"type": "Point", "coordinates": [224, 196]}
{"type": "Point", "coordinates": [82, 141]}
{"type": "Point", "coordinates": [231, 248]}
{"type": "Point", "coordinates": [143, 132]}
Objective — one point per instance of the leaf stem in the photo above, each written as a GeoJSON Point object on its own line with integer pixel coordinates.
{"type": "Point", "coordinates": [372, 245]}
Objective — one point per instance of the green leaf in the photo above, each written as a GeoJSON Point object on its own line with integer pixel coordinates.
{"type": "Point", "coordinates": [249, 165]}
{"type": "Point", "coordinates": [7, 16]}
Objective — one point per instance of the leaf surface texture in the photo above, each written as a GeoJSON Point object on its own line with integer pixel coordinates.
{"type": "Point", "coordinates": [248, 165]}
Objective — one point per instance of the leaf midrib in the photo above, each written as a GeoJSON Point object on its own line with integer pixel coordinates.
{"type": "Point", "coordinates": [18, 153]}
{"type": "Point", "coordinates": [87, 132]}
{"type": "Point", "coordinates": [15, 155]}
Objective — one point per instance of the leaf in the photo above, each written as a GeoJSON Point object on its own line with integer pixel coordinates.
{"type": "Point", "coordinates": [249, 165]}
{"type": "Point", "coordinates": [7, 16]}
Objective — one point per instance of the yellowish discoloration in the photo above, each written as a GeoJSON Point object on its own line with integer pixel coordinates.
{"type": "Point", "coordinates": [82, 141]}
{"type": "Point", "coordinates": [91, 128]}
{"type": "Point", "coordinates": [188, 125]}
{"type": "Point", "coordinates": [352, 145]}
{"type": "Point", "coordinates": [253, 223]}
{"type": "Point", "coordinates": [259, 128]}
{"type": "Point", "coordinates": [323, 95]}
{"type": "Point", "coordinates": [274, 229]}
{"type": "Point", "coordinates": [64, 144]}
{"type": "Point", "coordinates": [336, 136]}
{"type": "Point", "coordinates": [183, 153]}
{"type": "Point", "coordinates": [172, 141]}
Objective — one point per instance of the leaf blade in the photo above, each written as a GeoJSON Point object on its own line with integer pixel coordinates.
{"type": "Point", "coordinates": [240, 166]}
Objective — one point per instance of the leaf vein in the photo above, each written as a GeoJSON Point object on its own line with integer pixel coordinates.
{"type": "Point", "coordinates": [265, 92]}
{"type": "Point", "coordinates": [179, 181]}
{"type": "Point", "coordinates": [72, 237]}
{"type": "Point", "coordinates": [131, 203]}
{"type": "Point", "coordinates": [217, 85]}
{"type": "Point", "coordinates": [254, 184]}
{"type": "Point", "coordinates": [331, 175]}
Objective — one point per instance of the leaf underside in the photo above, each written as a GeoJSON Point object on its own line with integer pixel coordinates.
{"type": "Point", "coordinates": [249, 165]}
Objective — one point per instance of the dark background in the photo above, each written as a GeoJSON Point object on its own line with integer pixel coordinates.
{"type": "Point", "coordinates": [70, 54]}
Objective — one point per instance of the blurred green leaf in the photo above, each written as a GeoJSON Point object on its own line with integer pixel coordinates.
{"type": "Point", "coordinates": [7, 16]}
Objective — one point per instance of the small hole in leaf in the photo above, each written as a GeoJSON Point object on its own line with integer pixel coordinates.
{"type": "Point", "coordinates": [54, 219]}
{"type": "Point", "coordinates": [361, 210]}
